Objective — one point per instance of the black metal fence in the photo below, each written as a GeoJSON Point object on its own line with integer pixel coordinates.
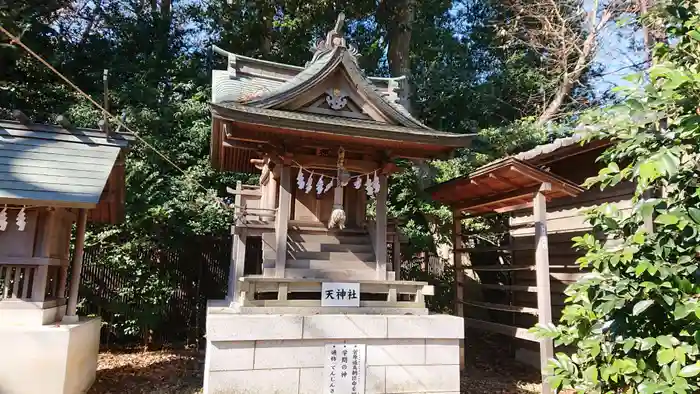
{"type": "Point", "coordinates": [192, 274]}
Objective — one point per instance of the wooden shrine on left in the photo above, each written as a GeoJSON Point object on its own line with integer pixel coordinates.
{"type": "Point", "coordinates": [51, 176]}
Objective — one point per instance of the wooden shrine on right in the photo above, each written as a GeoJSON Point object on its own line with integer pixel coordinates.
{"type": "Point", "coordinates": [509, 279]}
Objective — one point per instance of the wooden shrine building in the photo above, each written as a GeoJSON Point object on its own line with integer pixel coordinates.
{"type": "Point", "coordinates": [311, 267]}
{"type": "Point", "coordinates": [514, 276]}
{"type": "Point", "coordinates": [51, 177]}
{"type": "Point", "coordinates": [324, 138]}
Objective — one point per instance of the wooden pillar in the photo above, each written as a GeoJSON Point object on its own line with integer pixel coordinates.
{"type": "Point", "coordinates": [271, 191]}
{"type": "Point", "coordinates": [71, 309]}
{"type": "Point", "coordinates": [459, 276]}
{"type": "Point", "coordinates": [396, 257]}
{"type": "Point", "coordinates": [237, 266]}
{"type": "Point", "coordinates": [380, 233]}
{"type": "Point", "coordinates": [544, 302]}
{"type": "Point", "coordinates": [282, 223]}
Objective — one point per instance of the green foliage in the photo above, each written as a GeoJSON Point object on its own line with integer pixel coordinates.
{"type": "Point", "coordinates": [159, 67]}
{"type": "Point", "coordinates": [635, 319]}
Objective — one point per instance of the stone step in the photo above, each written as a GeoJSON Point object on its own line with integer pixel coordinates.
{"type": "Point", "coordinates": [322, 247]}
{"type": "Point", "coordinates": [330, 256]}
{"type": "Point", "coordinates": [329, 238]}
{"type": "Point", "coordinates": [332, 274]}
{"type": "Point", "coordinates": [326, 264]}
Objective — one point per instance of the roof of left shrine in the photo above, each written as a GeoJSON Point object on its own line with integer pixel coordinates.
{"type": "Point", "coordinates": [270, 94]}
{"type": "Point", "coordinates": [53, 165]}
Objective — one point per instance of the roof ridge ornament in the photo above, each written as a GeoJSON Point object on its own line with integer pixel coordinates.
{"type": "Point", "coordinates": [334, 39]}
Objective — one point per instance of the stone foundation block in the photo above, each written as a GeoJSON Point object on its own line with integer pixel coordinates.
{"type": "Point", "coordinates": [285, 354]}
{"type": "Point", "coordinates": [257, 381]}
{"type": "Point", "coordinates": [49, 359]}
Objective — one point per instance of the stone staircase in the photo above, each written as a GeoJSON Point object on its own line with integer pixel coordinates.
{"type": "Point", "coordinates": [319, 253]}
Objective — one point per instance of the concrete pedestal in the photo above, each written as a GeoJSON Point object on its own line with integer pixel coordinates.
{"type": "Point", "coordinates": [49, 359]}
{"type": "Point", "coordinates": [284, 354]}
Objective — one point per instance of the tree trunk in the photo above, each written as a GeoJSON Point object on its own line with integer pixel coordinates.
{"type": "Point", "coordinates": [648, 38]}
{"type": "Point", "coordinates": [398, 18]}
{"type": "Point", "coordinates": [399, 37]}
{"type": "Point", "coordinates": [165, 6]}
{"type": "Point", "coordinates": [267, 38]}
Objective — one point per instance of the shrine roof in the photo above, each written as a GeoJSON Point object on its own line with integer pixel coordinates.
{"type": "Point", "coordinates": [263, 83]}
{"type": "Point", "coordinates": [501, 186]}
{"type": "Point", "coordinates": [274, 91]}
{"type": "Point", "coordinates": [342, 126]}
{"type": "Point", "coordinates": [53, 166]}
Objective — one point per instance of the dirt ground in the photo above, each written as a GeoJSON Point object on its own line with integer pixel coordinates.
{"type": "Point", "coordinates": [158, 372]}
{"type": "Point", "coordinates": [488, 370]}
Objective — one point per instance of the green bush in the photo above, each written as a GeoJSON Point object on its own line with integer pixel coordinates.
{"type": "Point", "coordinates": [634, 320]}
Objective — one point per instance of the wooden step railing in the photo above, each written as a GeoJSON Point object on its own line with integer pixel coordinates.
{"type": "Point", "coordinates": [251, 287]}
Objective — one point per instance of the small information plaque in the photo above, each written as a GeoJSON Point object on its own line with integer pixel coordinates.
{"type": "Point", "coordinates": [340, 294]}
{"type": "Point", "coordinates": [344, 369]}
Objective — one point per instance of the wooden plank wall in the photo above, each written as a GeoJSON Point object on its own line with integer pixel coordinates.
{"type": "Point", "coordinates": [565, 220]}
{"type": "Point", "coordinates": [509, 292]}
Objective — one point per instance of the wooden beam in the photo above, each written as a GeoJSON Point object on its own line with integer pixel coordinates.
{"type": "Point", "coordinates": [538, 176]}
{"type": "Point", "coordinates": [282, 222]}
{"type": "Point", "coordinates": [72, 306]}
{"type": "Point", "coordinates": [495, 198]}
{"type": "Point", "coordinates": [503, 180]}
{"type": "Point", "coordinates": [459, 277]}
{"type": "Point", "coordinates": [521, 288]}
{"type": "Point", "coordinates": [237, 266]}
{"type": "Point", "coordinates": [255, 146]}
{"type": "Point", "coordinates": [502, 307]}
{"type": "Point", "coordinates": [381, 221]}
{"type": "Point", "coordinates": [331, 163]}
{"type": "Point", "coordinates": [390, 168]}
{"type": "Point", "coordinates": [396, 256]}
{"type": "Point", "coordinates": [513, 208]}
{"type": "Point", "coordinates": [497, 268]}
{"type": "Point", "coordinates": [511, 331]}
{"type": "Point", "coordinates": [544, 300]}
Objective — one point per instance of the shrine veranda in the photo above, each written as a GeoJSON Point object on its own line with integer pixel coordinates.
{"type": "Point", "coordinates": [324, 138]}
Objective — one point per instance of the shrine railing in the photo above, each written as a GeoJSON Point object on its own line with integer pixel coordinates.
{"type": "Point", "coordinates": [247, 206]}
{"type": "Point", "coordinates": [24, 282]}
{"type": "Point", "coordinates": [250, 215]}
{"type": "Point", "coordinates": [285, 292]}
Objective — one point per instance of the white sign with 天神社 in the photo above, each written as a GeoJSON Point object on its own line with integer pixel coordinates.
{"type": "Point", "coordinates": [344, 369]}
{"type": "Point", "coordinates": [340, 294]}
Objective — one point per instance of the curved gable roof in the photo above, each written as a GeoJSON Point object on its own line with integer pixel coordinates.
{"type": "Point", "coordinates": [274, 85]}
{"type": "Point", "coordinates": [323, 65]}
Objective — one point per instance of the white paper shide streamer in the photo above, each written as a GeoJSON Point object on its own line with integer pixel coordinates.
{"type": "Point", "coordinates": [3, 219]}
{"type": "Point", "coordinates": [320, 186]}
{"type": "Point", "coordinates": [369, 188]}
{"type": "Point", "coordinates": [300, 179]}
{"type": "Point", "coordinates": [375, 183]}
{"type": "Point", "coordinates": [358, 183]}
{"type": "Point", "coordinates": [309, 183]}
{"type": "Point", "coordinates": [325, 183]}
{"type": "Point", "coordinates": [21, 220]}
{"type": "Point", "coordinates": [328, 186]}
